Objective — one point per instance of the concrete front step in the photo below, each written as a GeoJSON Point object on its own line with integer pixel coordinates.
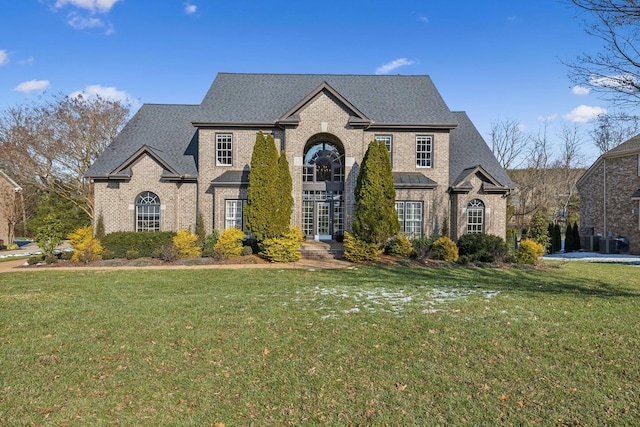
{"type": "Point", "coordinates": [313, 249]}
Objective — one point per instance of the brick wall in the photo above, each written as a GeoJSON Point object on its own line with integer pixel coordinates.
{"type": "Point", "coordinates": [614, 213]}
{"type": "Point", "coordinates": [115, 201]}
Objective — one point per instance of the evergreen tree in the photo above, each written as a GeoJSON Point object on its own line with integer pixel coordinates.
{"type": "Point", "coordinates": [551, 230]}
{"type": "Point", "coordinates": [568, 238]}
{"type": "Point", "coordinates": [557, 236]}
{"type": "Point", "coordinates": [576, 237]}
{"type": "Point", "coordinates": [262, 193]}
{"type": "Point", "coordinates": [376, 219]}
{"type": "Point", "coordinates": [539, 229]}
{"type": "Point", "coordinates": [285, 197]}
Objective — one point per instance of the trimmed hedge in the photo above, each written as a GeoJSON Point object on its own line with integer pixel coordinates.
{"type": "Point", "coordinates": [144, 243]}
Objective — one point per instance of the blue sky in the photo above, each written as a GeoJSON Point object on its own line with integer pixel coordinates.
{"type": "Point", "coordinates": [496, 60]}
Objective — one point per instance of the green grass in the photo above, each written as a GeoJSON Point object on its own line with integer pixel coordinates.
{"type": "Point", "coordinates": [366, 346]}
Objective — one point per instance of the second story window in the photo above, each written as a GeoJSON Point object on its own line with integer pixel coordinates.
{"type": "Point", "coordinates": [224, 149]}
{"type": "Point", "coordinates": [424, 151]}
{"type": "Point", "coordinates": [388, 141]}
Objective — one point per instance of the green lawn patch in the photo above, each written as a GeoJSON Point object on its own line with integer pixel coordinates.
{"type": "Point", "coordinates": [361, 346]}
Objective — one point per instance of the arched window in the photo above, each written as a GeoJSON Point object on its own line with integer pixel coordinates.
{"type": "Point", "coordinates": [475, 216]}
{"type": "Point", "coordinates": [147, 212]}
{"type": "Point", "coordinates": [323, 162]}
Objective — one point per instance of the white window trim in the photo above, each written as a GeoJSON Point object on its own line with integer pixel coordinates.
{"type": "Point", "coordinates": [218, 150]}
{"type": "Point", "coordinates": [429, 153]}
{"type": "Point", "coordinates": [385, 138]}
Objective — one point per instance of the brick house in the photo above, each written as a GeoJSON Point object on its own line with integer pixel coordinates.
{"type": "Point", "coordinates": [9, 208]}
{"type": "Point", "coordinates": [610, 195]}
{"type": "Point", "coordinates": [171, 162]}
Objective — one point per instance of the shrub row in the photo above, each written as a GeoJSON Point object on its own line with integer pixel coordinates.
{"type": "Point", "coordinates": [146, 244]}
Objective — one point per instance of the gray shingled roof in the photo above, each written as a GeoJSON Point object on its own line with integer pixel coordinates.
{"type": "Point", "coordinates": [238, 98]}
{"type": "Point", "coordinates": [468, 149]}
{"type": "Point", "coordinates": [628, 147]}
{"type": "Point", "coordinates": [165, 129]}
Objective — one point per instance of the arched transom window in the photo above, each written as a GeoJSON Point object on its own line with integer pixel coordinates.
{"type": "Point", "coordinates": [147, 212]}
{"type": "Point", "coordinates": [323, 162]}
{"type": "Point", "coordinates": [475, 216]}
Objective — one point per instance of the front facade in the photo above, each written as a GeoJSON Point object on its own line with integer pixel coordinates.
{"type": "Point", "coordinates": [173, 162]}
{"type": "Point", "coordinates": [610, 195]}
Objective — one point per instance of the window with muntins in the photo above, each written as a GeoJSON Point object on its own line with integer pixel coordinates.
{"type": "Point", "coordinates": [424, 151]}
{"type": "Point", "coordinates": [234, 214]}
{"type": "Point", "coordinates": [388, 142]}
{"type": "Point", "coordinates": [147, 212]}
{"type": "Point", "coordinates": [475, 216]}
{"type": "Point", "coordinates": [410, 218]}
{"type": "Point", "coordinates": [224, 149]}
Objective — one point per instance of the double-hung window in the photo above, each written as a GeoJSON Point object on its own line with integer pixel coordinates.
{"type": "Point", "coordinates": [410, 218]}
{"type": "Point", "coordinates": [424, 151]}
{"type": "Point", "coordinates": [388, 142]}
{"type": "Point", "coordinates": [475, 216]}
{"type": "Point", "coordinates": [224, 149]}
{"type": "Point", "coordinates": [234, 214]}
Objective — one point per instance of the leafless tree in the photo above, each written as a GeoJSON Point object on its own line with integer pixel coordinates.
{"type": "Point", "coordinates": [610, 130]}
{"type": "Point", "coordinates": [615, 70]}
{"type": "Point", "coordinates": [508, 142]}
{"type": "Point", "coordinates": [51, 144]}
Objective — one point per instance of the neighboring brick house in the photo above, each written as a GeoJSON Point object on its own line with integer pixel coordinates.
{"type": "Point", "coordinates": [610, 195]}
{"type": "Point", "coordinates": [171, 162]}
{"type": "Point", "coordinates": [9, 208]}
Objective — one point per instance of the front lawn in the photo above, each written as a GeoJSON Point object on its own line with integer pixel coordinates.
{"type": "Point", "coordinates": [361, 346]}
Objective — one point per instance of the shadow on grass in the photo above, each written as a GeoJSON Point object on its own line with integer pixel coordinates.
{"type": "Point", "coordinates": [550, 280]}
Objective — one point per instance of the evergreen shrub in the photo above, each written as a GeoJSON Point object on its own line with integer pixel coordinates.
{"type": "Point", "coordinates": [146, 242]}
{"type": "Point", "coordinates": [400, 245]}
{"type": "Point", "coordinates": [356, 250]}
{"type": "Point", "coordinates": [422, 246]}
{"type": "Point", "coordinates": [210, 242]}
{"type": "Point", "coordinates": [285, 248]}
{"type": "Point", "coordinates": [482, 247]}
{"type": "Point", "coordinates": [229, 245]}
{"type": "Point", "coordinates": [86, 247]}
{"type": "Point", "coordinates": [529, 252]}
{"type": "Point", "coordinates": [445, 249]}
{"type": "Point", "coordinates": [186, 244]}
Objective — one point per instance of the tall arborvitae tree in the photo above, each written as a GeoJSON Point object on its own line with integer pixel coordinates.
{"type": "Point", "coordinates": [568, 238]}
{"type": "Point", "coordinates": [376, 219]}
{"type": "Point", "coordinates": [557, 238]}
{"type": "Point", "coordinates": [551, 231]}
{"type": "Point", "coordinates": [262, 192]}
{"type": "Point", "coordinates": [285, 197]}
{"type": "Point", "coordinates": [576, 237]}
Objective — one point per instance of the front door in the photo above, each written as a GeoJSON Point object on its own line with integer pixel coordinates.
{"type": "Point", "coordinates": [324, 221]}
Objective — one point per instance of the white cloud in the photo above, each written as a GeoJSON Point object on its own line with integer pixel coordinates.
{"type": "Point", "coordinates": [32, 85]}
{"type": "Point", "coordinates": [387, 68]}
{"type": "Point", "coordinates": [4, 57]}
{"type": "Point", "coordinates": [106, 92]}
{"type": "Point", "coordinates": [584, 113]}
{"type": "Point", "coordinates": [80, 23]}
{"type": "Point", "coordinates": [190, 9]}
{"type": "Point", "coordinates": [29, 61]}
{"type": "Point", "coordinates": [423, 18]}
{"type": "Point", "coordinates": [580, 90]}
{"type": "Point", "coordinates": [101, 6]}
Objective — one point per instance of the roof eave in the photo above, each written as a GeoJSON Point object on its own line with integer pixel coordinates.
{"type": "Point", "coordinates": [413, 126]}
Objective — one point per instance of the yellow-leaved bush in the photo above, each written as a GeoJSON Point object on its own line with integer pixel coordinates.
{"type": "Point", "coordinates": [445, 249]}
{"type": "Point", "coordinates": [356, 250]}
{"type": "Point", "coordinates": [86, 247]}
{"type": "Point", "coordinates": [285, 248]}
{"type": "Point", "coordinates": [229, 243]}
{"type": "Point", "coordinates": [186, 244]}
{"type": "Point", "coordinates": [529, 252]}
